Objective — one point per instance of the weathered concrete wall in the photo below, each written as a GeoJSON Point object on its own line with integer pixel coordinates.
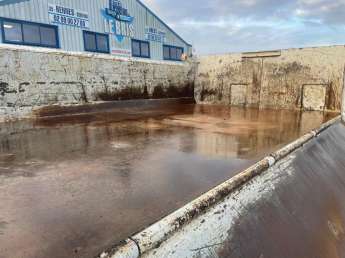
{"type": "Point", "coordinates": [31, 78]}
{"type": "Point", "coordinates": [309, 78]}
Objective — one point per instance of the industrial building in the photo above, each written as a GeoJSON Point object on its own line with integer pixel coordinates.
{"type": "Point", "coordinates": [125, 28]}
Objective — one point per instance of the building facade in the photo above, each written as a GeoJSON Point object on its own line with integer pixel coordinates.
{"type": "Point", "coordinates": [124, 28]}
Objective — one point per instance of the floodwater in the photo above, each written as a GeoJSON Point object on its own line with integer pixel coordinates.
{"type": "Point", "coordinates": [74, 187]}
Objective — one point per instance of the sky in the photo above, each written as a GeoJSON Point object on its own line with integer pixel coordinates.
{"type": "Point", "coordinates": [221, 26]}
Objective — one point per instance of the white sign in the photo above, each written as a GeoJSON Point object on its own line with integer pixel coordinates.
{"type": "Point", "coordinates": [121, 52]}
{"type": "Point", "coordinates": [68, 16]}
{"type": "Point", "coordinates": [153, 34]}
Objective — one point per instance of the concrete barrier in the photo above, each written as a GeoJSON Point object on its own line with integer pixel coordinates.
{"type": "Point", "coordinates": [154, 236]}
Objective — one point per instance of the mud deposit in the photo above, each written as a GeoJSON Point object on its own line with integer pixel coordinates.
{"type": "Point", "coordinates": [73, 189]}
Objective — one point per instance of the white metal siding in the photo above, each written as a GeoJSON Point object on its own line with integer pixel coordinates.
{"type": "Point", "coordinates": [71, 38]}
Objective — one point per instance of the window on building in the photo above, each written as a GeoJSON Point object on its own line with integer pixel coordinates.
{"type": "Point", "coordinates": [31, 34]}
{"type": "Point", "coordinates": [48, 36]}
{"type": "Point", "coordinates": [136, 48]}
{"type": "Point", "coordinates": [140, 48]}
{"type": "Point", "coordinates": [172, 53]}
{"type": "Point", "coordinates": [96, 42]}
{"type": "Point", "coordinates": [28, 33]}
{"type": "Point", "coordinates": [166, 52]}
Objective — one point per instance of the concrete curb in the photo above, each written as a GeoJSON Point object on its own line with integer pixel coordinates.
{"type": "Point", "coordinates": [155, 235]}
{"type": "Point", "coordinates": [128, 249]}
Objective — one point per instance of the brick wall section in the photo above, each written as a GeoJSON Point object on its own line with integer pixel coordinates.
{"type": "Point", "coordinates": [309, 78]}
{"type": "Point", "coordinates": [31, 78]}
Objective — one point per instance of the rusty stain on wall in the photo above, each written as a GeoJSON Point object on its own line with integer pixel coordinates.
{"type": "Point", "coordinates": [274, 79]}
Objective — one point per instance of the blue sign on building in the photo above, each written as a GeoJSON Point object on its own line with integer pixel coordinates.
{"type": "Point", "coordinates": [119, 20]}
{"type": "Point", "coordinates": [118, 12]}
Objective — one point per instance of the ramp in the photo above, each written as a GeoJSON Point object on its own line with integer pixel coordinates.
{"type": "Point", "coordinates": [302, 211]}
{"type": "Point", "coordinates": [295, 208]}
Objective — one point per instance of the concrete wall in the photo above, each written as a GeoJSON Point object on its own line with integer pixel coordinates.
{"type": "Point", "coordinates": [32, 77]}
{"type": "Point", "coordinates": [309, 78]}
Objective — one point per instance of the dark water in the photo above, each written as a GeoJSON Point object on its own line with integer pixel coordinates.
{"type": "Point", "coordinates": [305, 216]}
{"type": "Point", "coordinates": [74, 187]}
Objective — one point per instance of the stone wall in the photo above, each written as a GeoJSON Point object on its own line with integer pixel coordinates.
{"type": "Point", "coordinates": [309, 78]}
{"type": "Point", "coordinates": [31, 78]}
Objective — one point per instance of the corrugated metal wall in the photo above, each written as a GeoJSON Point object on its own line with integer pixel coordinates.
{"type": "Point", "coordinates": [71, 38]}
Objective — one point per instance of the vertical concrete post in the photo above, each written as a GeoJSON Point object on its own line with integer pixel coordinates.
{"type": "Point", "coordinates": [343, 99]}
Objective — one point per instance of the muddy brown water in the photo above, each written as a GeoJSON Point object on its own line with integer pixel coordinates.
{"type": "Point", "coordinates": [75, 186]}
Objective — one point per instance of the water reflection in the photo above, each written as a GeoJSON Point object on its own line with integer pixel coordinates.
{"type": "Point", "coordinates": [212, 131]}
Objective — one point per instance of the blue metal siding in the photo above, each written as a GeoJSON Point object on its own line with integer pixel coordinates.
{"type": "Point", "coordinates": [71, 38]}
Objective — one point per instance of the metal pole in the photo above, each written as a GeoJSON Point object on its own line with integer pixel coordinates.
{"type": "Point", "coordinates": [343, 99]}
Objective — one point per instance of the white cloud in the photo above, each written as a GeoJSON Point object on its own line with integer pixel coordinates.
{"type": "Point", "coordinates": [245, 25]}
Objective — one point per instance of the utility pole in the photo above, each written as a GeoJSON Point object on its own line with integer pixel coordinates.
{"type": "Point", "coordinates": [343, 99]}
